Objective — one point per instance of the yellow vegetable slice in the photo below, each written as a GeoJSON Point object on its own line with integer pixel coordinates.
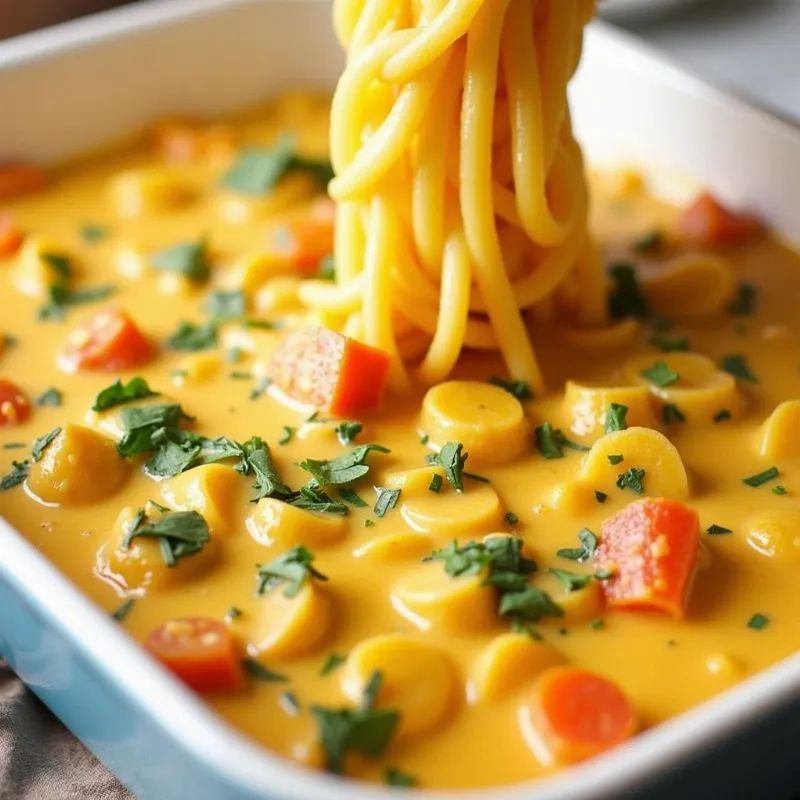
{"type": "Point", "coordinates": [588, 406]}
{"type": "Point", "coordinates": [780, 433]}
{"type": "Point", "coordinates": [395, 547]}
{"type": "Point", "coordinates": [692, 285]}
{"type": "Point", "coordinates": [413, 481]}
{"type": "Point", "coordinates": [775, 534]}
{"type": "Point", "coordinates": [277, 524]}
{"type": "Point", "coordinates": [418, 681]}
{"type": "Point", "coordinates": [149, 191]}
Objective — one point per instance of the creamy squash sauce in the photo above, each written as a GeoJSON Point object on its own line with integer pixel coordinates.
{"type": "Point", "coordinates": [461, 723]}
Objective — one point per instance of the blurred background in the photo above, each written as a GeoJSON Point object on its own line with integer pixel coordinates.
{"type": "Point", "coordinates": [748, 46]}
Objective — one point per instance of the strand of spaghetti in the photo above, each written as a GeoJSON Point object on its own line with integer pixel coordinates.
{"type": "Point", "coordinates": [344, 298]}
{"type": "Point", "coordinates": [346, 14]}
{"type": "Point", "coordinates": [348, 242]}
{"type": "Point", "coordinates": [483, 46]}
{"type": "Point", "coordinates": [432, 41]}
{"type": "Point", "coordinates": [376, 18]}
{"type": "Point", "coordinates": [451, 325]}
{"type": "Point", "coordinates": [590, 276]}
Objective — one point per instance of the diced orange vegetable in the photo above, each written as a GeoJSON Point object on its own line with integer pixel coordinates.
{"type": "Point", "coordinates": [303, 241]}
{"type": "Point", "coordinates": [10, 235]}
{"type": "Point", "coordinates": [573, 714]}
{"type": "Point", "coordinates": [707, 221]}
{"type": "Point", "coordinates": [14, 405]}
{"type": "Point", "coordinates": [182, 140]}
{"type": "Point", "coordinates": [201, 652]}
{"type": "Point", "coordinates": [329, 371]}
{"type": "Point", "coordinates": [652, 548]}
{"type": "Point", "coordinates": [19, 178]}
{"type": "Point", "coordinates": [109, 341]}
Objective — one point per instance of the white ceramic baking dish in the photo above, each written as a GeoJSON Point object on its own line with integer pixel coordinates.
{"type": "Point", "coordinates": [71, 88]}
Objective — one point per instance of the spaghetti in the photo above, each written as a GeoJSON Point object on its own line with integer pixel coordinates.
{"type": "Point", "coordinates": [462, 203]}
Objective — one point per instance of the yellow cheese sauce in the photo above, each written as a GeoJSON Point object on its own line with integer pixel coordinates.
{"type": "Point", "coordinates": [457, 684]}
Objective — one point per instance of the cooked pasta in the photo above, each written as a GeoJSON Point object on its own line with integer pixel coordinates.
{"type": "Point", "coordinates": [462, 203]}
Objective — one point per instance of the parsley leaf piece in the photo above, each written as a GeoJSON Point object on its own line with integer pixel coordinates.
{"type": "Point", "coordinates": [290, 570]}
{"type": "Point", "coordinates": [716, 530]}
{"type": "Point", "coordinates": [179, 533]}
{"type": "Point", "coordinates": [224, 306]}
{"type": "Point", "coordinates": [19, 472]}
{"type": "Point", "coordinates": [139, 425]}
{"type": "Point", "coordinates": [670, 344]}
{"type": "Point", "coordinates": [51, 397]}
{"type": "Point", "coordinates": [233, 613]}
{"type": "Point", "coordinates": [519, 389]}
{"type": "Point", "coordinates": [332, 663]}
{"type": "Point", "coordinates": [61, 298]}
{"type": "Point", "coordinates": [452, 460]}
{"type": "Point", "coordinates": [761, 478]}
{"type": "Point", "coordinates": [601, 497]}
{"type": "Point", "coordinates": [257, 170]}
{"type": "Point", "coordinates": [119, 393]}
{"type": "Point", "coordinates": [349, 496]}
{"type": "Point", "coordinates": [365, 729]}
{"type": "Point", "coordinates": [91, 232]}
{"type": "Point", "coordinates": [123, 610]}
{"type": "Point", "coordinates": [779, 490]}
{"type": "Point", "coordinates": [261, 673]}
{"type": "Point", "coordinates": [290, 704]}
{"type": "Point", "coordinates": [649, 241]}
{"type": "Point", "coordinates": [61, 264]}
{"type": "Point", "coordinates": [42, 443]}
{"type": "Point", "coordinates": [187, 258]}
{"type": "Point", "coordinates": [395, 777]}
{"type": "Point", "coordinates": [660, 374]}
{"type": "Point", "coordinates": [311, 498]}
{"type": "Point", "coordinates": [588, 542]}
{"type": "Point", "coordinates": [512, 519]}
{"type": "Point", "coordinates": [632, 479]}
{"type": "Point", "coordinates": [722, 416]}
{"type": "Point", "coordinates": [572, 581]}
{"type": "Point", "coordinates": [435, 485]}
{"type": "Point", "coordinates": [288, 433]}
{"type": "Point", "coordinates": [260, 388]}
{"type": "Point", "coordinates": [14, 446]}
{"type": "Point", "coordinates": [671, 413]}
{"type": "Point", "coordinates": [736, 365]}
{"type": "Point", "coordinates": [258, 459]}
{"type": "Point", "coordinates": [190, 337]}
{"type": "Point", "coordinates": [346, 432]}
{"type": "Point", "coordinates": [530, 604]}
{"type": "Point", "coordinates": [615, 418]}
{"type": "Point", "coordinates": [745, 301]}
{"type": "Point", "coordinates": [626, 298]}
{"type": "Point", "coordinates": [345, 469]}
{"type": "Point", "coordinates": [758, 622]}
{"type": "Point", "coordinates": [387, 500]}
{"type": "Point", "coordinates": [327, 269]}
{"type": "Point", "coordinates": [597, 624]}
{"type": "Point", "coordinates": [547, 441]}
{"type": "Point", "coordinates": [615, 459]}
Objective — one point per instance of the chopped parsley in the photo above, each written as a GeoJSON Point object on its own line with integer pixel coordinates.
{"type": "Point", "coordinates": [761, 478]}
{"type": "Point", "coordinates": [547, 442]}
{"type": "Point", "coordinates": [435, 485]}
{"type": "Point", "coordinates": [716, 530]}
{"type": "Point", "coordinates": [660, 374]}
{"type": "Point", "coordinates": [190, 337]}
{"type": "Point", "coordinates": [736, 365]}
{"type": "Point", "coordinates": [288, 433]}
{"type": "Point", "coordinates": [632, 479]}
{"type": "Point", "coordinates": [589, 542]}
{"type": "Point", "coordinates": [597, 624]}
{"type": "Point", "coordinates": [186, 258]}
{"type": "Point", "coordinates": [364, 729]}
{"type": "Point", "coordinates": [91, 232]}
{"type": "Point", "coordinates": [758, 622]}
{"type": "Point", "coordinates": [332, 663]}
{"type": "Point", "coordinates": [237, 375]}
{"type": "Point", "coordinates": [123, 610]}
{"type": "Point", "coordinates": [349, 496]}
{"type": "Point", "coordinates": [520, 389]}
{"type": "Point", "coordinates": [327, 269]}
{"type": "Point", "coordinates": [346, 432]}
{"type": "Point", "coordinates": [42, 443]}
{"type": "Point", "coordinates": [19, 472]}
{"type": "Point", "coordinates": [615, 418]}
{"type": "Point", "coordinates": [395, 777]}
{"type": "Point", "coordinates": [512, 519]}
{"type": "Point", "coordinates": [779, 490]}
{"type": "Point", "coordinates": [258, 459]}
{"type": "Point", "coordinates": [310, 498]}
{"type": "Point", "coordinates": [179, 534]}
{"type": "Point", "coordinates": [424, 438]}
{"type": "Point", "coordinates": [671, 413]}
{"type": "Point", "coordinates": [615, 459]}
{"type": "Point", "coordinates": [572, 581]}
{"type": "Point", "coordinates": [260, 388]}
{"type": "Point", "coordinates": [722, 416]}
{"type": "Point", "coordinates": [261, 673]}
{"type": "Point", "coordinates": [119, 393]}
{"type": "Point", "coordinates": [345, 469]}
{"type": "Point", "coordinates": [60, 298]}
{"type": "Point", "coordinates": [14, 446]}
{"type": "Point", "coordinates": [746, 299]}
{"type": "Point", "coordinates": [387, 500]}
{"type": "Point", "coordinates": [289, 703]}
{"type": "Point", "coordinates": [51, 397]}
{"type": "Point", "coordinates": [233, 613]}
{"type": "Point", "coordinates": [224, 306]}
{"type": "Point", "coordinates": [670, 344]}
{"type": "Point", "coordinates": [649, 241]}
{"type": "Point", "coordinates": [451, 459]}
{"type": "Point", "coordinates": [290, 571]}
{"type": "Point", "coordinates": [601, 497]}
{"type": "Point", "coordinates": [626, 298]}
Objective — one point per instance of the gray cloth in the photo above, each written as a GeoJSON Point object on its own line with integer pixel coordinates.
{"type": "Point", "coordinates": [39, 758]}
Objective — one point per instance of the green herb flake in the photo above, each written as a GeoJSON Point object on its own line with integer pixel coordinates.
{"type": "Point", "coordinates": [368, 523]}
{"type": "Point", "coordinates": [332, 663]}
{"type": "Point", "coordinates": [451, 459]}
{"type": "Point", "coordinates": [597, 624]}
{"type": "Point", "coordinates": [632, 479]}
{"type": "Point", "coordinates": [123, 610]}
{"type": "Point", "coordinates": [547, 442]}
{"type": "Point", "coordinates": [745, 301]}
{"type": "Point", "coordinates": [233, 613]}
{"type": "Point", "coordinates": [435, 485]}
{"type": "Point", "coordinates": [512, 519]}
{"type": "Point", "coordinates": [722, 416]}
{"type": "Point", "coordinates": [670, 344]}
{"type": "Point", "coordinates": [345, 469]}
{"type": "Point", "coordinates": [615, 459]}
{"type": "Point", "coordinates": [395, 777]}
{"type": "Point", "coordinates": [261, 673]}
{"type": "Point", "coordinates": [349, 496]}
{"type": "Point", "coordinates": [19, 473]}
{"type": "Point", "coordinates": [14, 446]}
{"type": "Point", "coordinates": [736, 365]}
{"type": "Point", "coordinates": [758, 622]}
{"type": "Point", "coordinates": [572, 581]}
{"type": "Point", "coordinates": [42, 443]}
{"type": "Point", "coordinates": [589, 542]}
{"type": "Point", "coordinates": [424, 438]}
{"type": "Point", "coordinates": [288, 433]}
{"type": "Point", "coordinates": [60, 298]}
{"type": "Point", "coordinates": [192, 338]}
{"type": "Point", "coordinates": [50, 397]}
{"type": "Point", "coordinates": [615, 418]}
{"type": "Point", "coordinates": [224, 306]}
{"type": "Point", "coordinates": [119, 393]}
{"type": "Point", "coordinates": [260, 388]}
{"type": "Point", "coordinates": [670, 413]}
{"type": "Point", "coordinates": [237, 375]}
{"type": "Point", "coordinates": [717, 530]}
{"type": "Point", "coordinates": [179, 534]}
{"type": "Point", "coordinates": [660, 375]}
{"type": "Point", "coordinates": [290, 571]}
{"type": "Point", "coordinates": [186, 258]}
{"type": "Point", "coordinates": [233, 355]}
{"type": "Point", "coordinates": [387, 500]}
{"type": "Point", "coordinates": [327, 269]}
{"type": "Point", "coordinates": [346, 432]}
{"type": "Point", "coordinates": [648, 242]}
{"type": "Point", "coordinates": [761, 478]}
{"type": "Point", "coordinates": [519, 389]}
{"type": "Point", "coordinates": [61, 264]}
{"type": "Point", "coordinates": [626, 298]}
{"type": "Point", "coordinates": [91, 232]}
{"type": "Point", "coordinates": [779, 490]}
{"type": "Point", "coordinates": [601, 497]}
{"type": "Point", "coordinates": [289, 703]}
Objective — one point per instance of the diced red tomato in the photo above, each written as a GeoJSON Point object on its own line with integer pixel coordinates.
{"type": "Point", "coordinates": [10, 235]}
{"type": "Point", "coordinates": [201, 652]}
{"type": "Point", "coordinates": [14, 405]}
{"type": "Point", "coordinates": [573, 714]}
{"type": "Point", "coordinates": [109, 341]}
{"type": "Point", "coordinates": [652, 548]}
{"type": "Point", "coordinates": [329, 371]}
{"type": "Point", "coordinates": [19, 178]}
{"type": "Point", "coordinates": [707, 221]}
{"type": "Point", "coordinates": [302, 241]}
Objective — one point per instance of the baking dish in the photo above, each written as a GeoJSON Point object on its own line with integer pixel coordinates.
{"type": "Point", "coordinates": [72, 89]}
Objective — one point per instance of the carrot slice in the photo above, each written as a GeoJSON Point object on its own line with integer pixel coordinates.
{"type": "Point", "coordinates": [110, 340]}
{"type": "Point", "coordinates": [652, 548]}
{"type": "Point", "coordinates": [14, 405]}
{"type": "Point", "coordinates": [324, 369]}
{"type": "Point", "coordinates": [302, 241]}
{"type": "Point", "coordinates": [19, 178]}
{"type": "Point", "coordinates": [201, 652]}
{"type": "Point", "coordinates": [10, 235]}
{"type": "Point", "coordinates": [573, 714]}
{"type": "Point", "coordinates": [707, 221]}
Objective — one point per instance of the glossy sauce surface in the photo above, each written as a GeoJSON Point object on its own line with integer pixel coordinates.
{"type": "Point", "coordinates": [663, 665]}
